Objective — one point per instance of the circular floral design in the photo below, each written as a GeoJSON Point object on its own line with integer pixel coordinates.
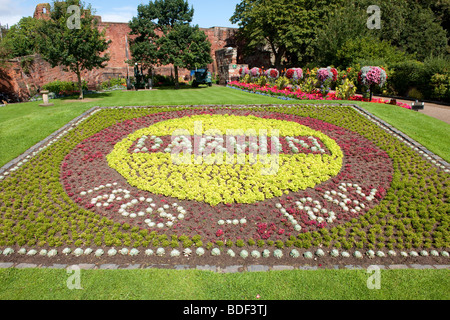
{"type": "Point", "coordinates": [226, 158]}
{"type": "Point", "coordinates": [364, 174]}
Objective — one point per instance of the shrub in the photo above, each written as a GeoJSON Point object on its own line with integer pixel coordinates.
{"type": "Point", "coordinates": [407, 74]}
{"type": "Point", "coordinates": [440, 84]}
{"type": "Point", "coordinates": [282, 82]}
{"type": "Point", "coordinates": [161, 81]}
{"type": "Point", "coordinates": [309, 85]}
{"type": "Point", "coordinates": [114, 83]}
{"type": "Point", "coordinates": [64, 88]}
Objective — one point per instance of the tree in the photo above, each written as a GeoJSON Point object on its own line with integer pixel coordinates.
{"type": "Point", "coordinates": [4, 55]}
{"type": "Point", "coordinates": [367, 48]}
{"type": "Point", "coordinates": [22, 39]}
{"type": "Point", "coordinates": [287, 27]}
{"type": "Point", "coordinates": [76, 47]}
{"type": "Point", "coordinates": [164, 35]}
{"type": "Point", "coordinates": [184, 46]}
{"type": "Point", "coordinates": [406, 25]}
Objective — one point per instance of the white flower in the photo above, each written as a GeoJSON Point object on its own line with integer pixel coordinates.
{"type": "Point", "coordinates": [52, 253]}
{"type": "Point", "coordinates": [200, 251]}
{"type": "Point", "coordinates": [66, 251]}
{"type": "Point", "coordinates": [99, 252]}
{"type": "Point", "coordinates": [424, 253]}
{"type": "Point", "coordinates": [149, 252]}
{"type": "Point", "coordinates": [215, 252]}
{"type": "Point", "coordinates": [334, 253]}
{"type": "Point", "coordinates": [124, 251]}
{"type": "Point", "coordinates": [187, 252]}
{"type": "Point", "coordinates": [32, 252]}
{"type": "Point", "coordinates": [278, 253]}
{"type": "Point", "coordinates": [88, 251]}
{"type": "Point", "coordinates": [175, 253]}
{"type": "Point", "coordinates": [370, 253]}
{"type": "Point", "coordinates": [294, 253]}
{"type": "Point", "coordinates": [244, 254]}
{"type": "Point", "coordinates": [160, 252]}
{"type": "Point", "coordinates": [112, 252]}
{"type": "Point", "coordinates": [78, 252]}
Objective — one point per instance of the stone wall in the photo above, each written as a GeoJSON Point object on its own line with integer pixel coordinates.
{"type": "Point", "coordinates": [228, 68]}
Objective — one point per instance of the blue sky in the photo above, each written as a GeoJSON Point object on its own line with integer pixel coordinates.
{"type": "Point", "coordinates": [207, 13]}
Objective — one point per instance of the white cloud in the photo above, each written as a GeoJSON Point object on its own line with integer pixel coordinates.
{"type": "Point", "coordinates": [11, 11]}
{"type": "Point", "coordinates": [120, 14]}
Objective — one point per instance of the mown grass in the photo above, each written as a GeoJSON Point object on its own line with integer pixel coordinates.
{"type": "Point", "coordinates": [152, 284]}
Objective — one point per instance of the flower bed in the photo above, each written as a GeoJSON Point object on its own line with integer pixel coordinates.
{"type": "Point", "coordinates": [292, 93]}
{"type": "Point", "coordinates": [343, 184]}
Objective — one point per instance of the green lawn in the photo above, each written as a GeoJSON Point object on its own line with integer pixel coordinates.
{"type": "Point", "coordinates": [25, 124]}
{"type": "Point", "coordinates": [205, 285]}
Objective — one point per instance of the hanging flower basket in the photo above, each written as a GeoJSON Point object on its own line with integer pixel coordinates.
{"type": "Point", "coordinates": [294, 74]}
{"type": "Point", "coordinates": [370, 76]}
{"type": "Point", "coordinates": [324, 74]}
{"type": "Point", "coordinates": [244, 71]}
{"type": "Point", "coordinates": [255, 72]}
{"type": "Point", "coordinates": [272, 73]}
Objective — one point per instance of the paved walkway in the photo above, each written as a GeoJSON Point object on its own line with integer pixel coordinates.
{"type": "Point", "coordinates": [437, 111]}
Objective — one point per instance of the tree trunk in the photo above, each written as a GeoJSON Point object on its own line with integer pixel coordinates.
{"type": "Point", "coordinates": [177, 85]}
{"type": "Point", "coordinates": [80, 84]}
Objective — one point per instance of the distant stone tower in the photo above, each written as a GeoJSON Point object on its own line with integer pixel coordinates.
{"type": "Point", "coordinates": [42, 11]}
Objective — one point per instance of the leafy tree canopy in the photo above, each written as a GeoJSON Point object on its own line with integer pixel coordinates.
{"type": "Point", "coordinates": [286, 27]}
{"type": "Point", "coordinates": [22, 39]}
{"type": "Point", "coordinates": [163, 35]}
{"type": "Point", "coordinates": [76, 49]}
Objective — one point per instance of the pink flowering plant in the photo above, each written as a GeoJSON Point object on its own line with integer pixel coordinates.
{"type": "Point", "coordinates": [244, 71]}
{"type": "Point", "coordinates": [255, 72]}
{"type": "Point", "coordinates": [324, 74]}
{"type": "Point", "coordinates": [371, 76]}
{"type": "Point", "coordinates": [294, 74]}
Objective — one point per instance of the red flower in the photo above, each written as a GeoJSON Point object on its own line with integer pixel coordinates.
{"type": "Point", "coordinates": [219, 233]}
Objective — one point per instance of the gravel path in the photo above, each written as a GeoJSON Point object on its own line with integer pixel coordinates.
{"type": "Point", "coordinates": [441, 112]}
